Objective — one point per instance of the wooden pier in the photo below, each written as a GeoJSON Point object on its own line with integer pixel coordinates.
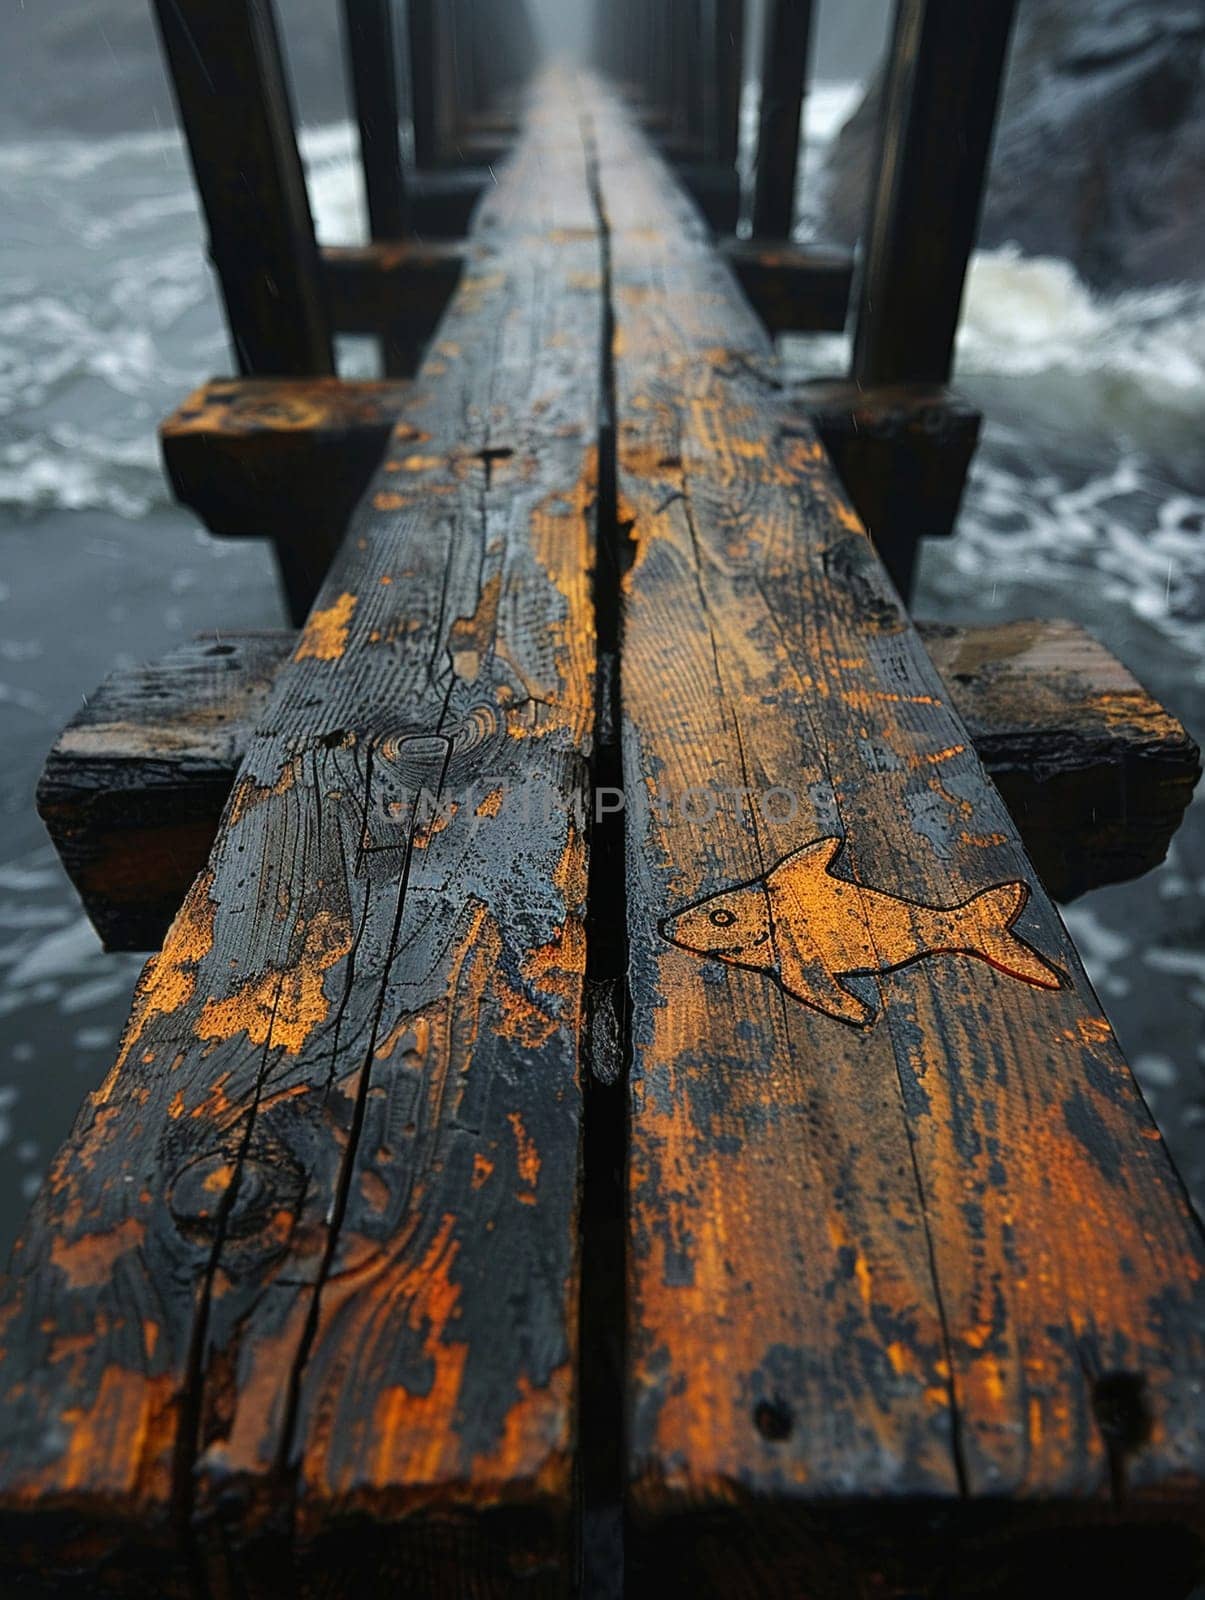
{"type": "Point", "coordinates": [614, 1107]}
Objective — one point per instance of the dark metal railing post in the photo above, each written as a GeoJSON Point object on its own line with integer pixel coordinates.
{"type": "Point", "coordinates": [785, 40]}
{"type": "Point", "coordinates": [368, 32]}
{"type": "Point", "coordinates": [935, 132]}
{"type": "Point", "coordinates": [230, 86]}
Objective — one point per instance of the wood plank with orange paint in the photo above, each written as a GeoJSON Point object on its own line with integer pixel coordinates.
{"type": "Point", "coordinates": [912, 1280]}
{"type": "Point", "coordinates": [1095, 773]}
{"type": "Point", "coordinates": [307, 1266]}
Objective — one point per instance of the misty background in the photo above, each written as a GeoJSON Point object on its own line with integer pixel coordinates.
{"type": "Point", "coordinates": [1083, 340]}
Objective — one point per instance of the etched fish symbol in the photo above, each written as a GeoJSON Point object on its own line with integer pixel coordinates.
{"type": "Point", "coordinates": [810, 930]}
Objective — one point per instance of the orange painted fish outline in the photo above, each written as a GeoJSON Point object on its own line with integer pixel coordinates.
{"type": "Point", "coordinates": [809, 930]}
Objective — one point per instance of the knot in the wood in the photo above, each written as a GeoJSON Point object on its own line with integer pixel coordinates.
{"type": "Point", "coordinates": [218, 1191]}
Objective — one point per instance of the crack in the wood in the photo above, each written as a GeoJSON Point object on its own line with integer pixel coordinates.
{"type": "Point", "coordinates": [347, 1168]}
{"type": "Point", "coordinates": [601, 1447]}
{"type": "Point", "coordinates": [194, 1387]}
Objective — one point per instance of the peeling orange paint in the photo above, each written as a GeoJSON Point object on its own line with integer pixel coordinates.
{"type": "Point", "coordinates": [283, 1006]}
{"type": "Point", "coordinates": [89, 1260]}
{"type": "Point", "coordinates": [528, 1155]}
{"type": "Point", "coordinates": [491, 805]}
{"type": "Point", "coordinates": [324, 637]}
{"type": "Point", "coordinates": [169, 979]}
{"type": "Point", "coordinates": [413, 1429]}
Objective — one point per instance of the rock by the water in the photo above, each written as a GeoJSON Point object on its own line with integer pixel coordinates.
{"type": "Point", "coordinates": [1100, 152]}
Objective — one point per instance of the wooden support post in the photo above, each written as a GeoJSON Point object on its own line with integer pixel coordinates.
{"type": "Point", "coordinates": [938, 110]}
{"type": "Point", "coordinates": [700, 85]}
{"type": "Point", "coordinates": [422, 19]}
{"type": "Point", "coordinates": [730, 70]}
{"type": "Point", "coordinates": [484, 67]}
{"type": "Point", "coordinates": [368, 32]}
{"type": "Point", "coordinates": [786, 34]}
{"type": "Point", "coordinates": [462, 21]}
{"type": "Point", "coordinates": [681, 54]}
{"type": "Point", "coordinates": [939, 103]}
{"type": "Point", "coordinates": [231, 89]}
{"type": "Point", "coordinates": [230, 86]}
{"type": "Point", "coordinates": [663, 60]}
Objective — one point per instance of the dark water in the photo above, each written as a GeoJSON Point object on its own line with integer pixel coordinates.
{"type": "Point", "coordinates": [1086, 502]}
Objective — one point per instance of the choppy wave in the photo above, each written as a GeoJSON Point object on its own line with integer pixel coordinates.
{"type": "Point", "coordinates": [95, 353]}
{"type": "Point", "coordinates": [90, 360]}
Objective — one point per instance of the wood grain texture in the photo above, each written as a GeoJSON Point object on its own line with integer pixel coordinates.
{"type": "Point", "coordinates": [1095, 773]}
{"type": "Point", "coordinates": [308, 1262]}
{"type": "Point", "coordinates": [939, 1257]}
{"type": "Point", "coordinates": [793, 288]}
{"type": "Point", "coordinates": [902, 453]}
{"type": "Point", "coordinates": [133, 792]}
{"type": "Point", "coordinates": [281, 458]}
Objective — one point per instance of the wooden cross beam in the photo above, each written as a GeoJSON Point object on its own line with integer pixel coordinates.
{"type": "Point", "coordinates": [1095, 773]}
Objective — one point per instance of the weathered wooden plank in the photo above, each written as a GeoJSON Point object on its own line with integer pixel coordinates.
{"type": "Point", "coordinates": [284, 459]}
{"type": "Point", "coordinates": [908, 1236]}
{"type": "Point", "coordinates": [295, 1309]}
{"type": "Point", "coordinates": [1095, 773]}
{"type": "Point", "coordinates": [1092, 768]}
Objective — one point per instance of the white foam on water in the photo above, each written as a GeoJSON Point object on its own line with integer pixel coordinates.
{"type": "Point", "coordinates": [1033, 317]}
{"type": "Point", "coordinates": [67, 158]}
{"type": "Point", "coordinates": [93, 355]}
{"type": "Point", "coordinates": [335, 182]}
